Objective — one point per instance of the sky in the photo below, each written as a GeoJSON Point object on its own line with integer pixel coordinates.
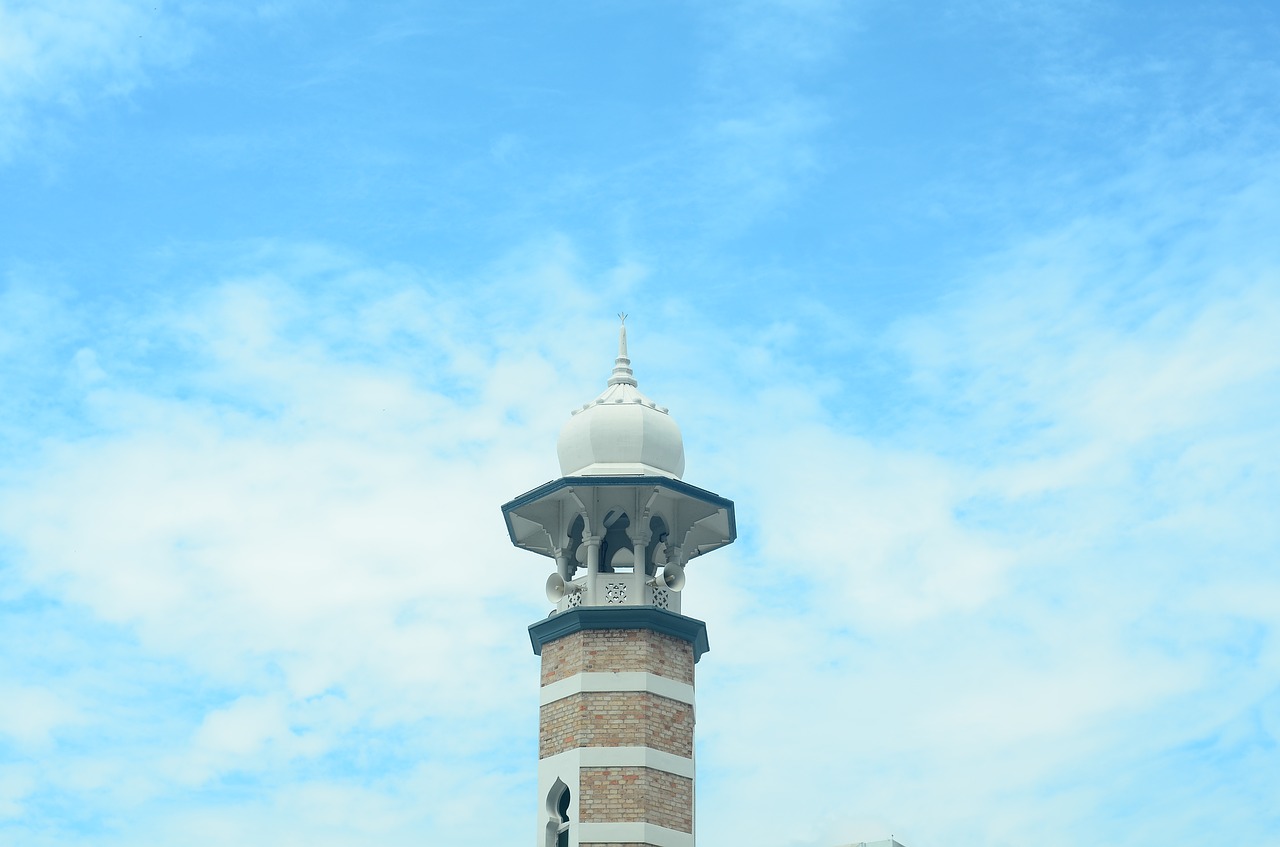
{"type": "Point", "coordinates": [971, 306]}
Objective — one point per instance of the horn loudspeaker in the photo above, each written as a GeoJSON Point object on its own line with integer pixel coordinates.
{"type": "Point", "coordinates": [555, 588]}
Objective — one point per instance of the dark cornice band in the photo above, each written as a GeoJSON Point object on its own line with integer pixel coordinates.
{"type": "Point", "coordinates": [676, 485]}
{"type": "Point", "coordinates": [620, 617]}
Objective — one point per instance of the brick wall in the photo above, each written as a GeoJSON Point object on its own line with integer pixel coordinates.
{"type": "Point", "coordinates": [616, 719]}
{"type": "Point", "coordinates": [618, 650]}
{"type": "Point", "coordinates": [602, 719]}
{"type": "Point", "coordinates": [620, 795]}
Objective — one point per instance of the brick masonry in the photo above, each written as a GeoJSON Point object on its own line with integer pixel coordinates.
{"type": "Point", "coordinates": [616, 719]}
{"type": "Point", "coordinates": [618, 650]}
{"type": "Point", "coordinates": [621, 795]}
{"type": "Point", "coordinates": [599, 719]}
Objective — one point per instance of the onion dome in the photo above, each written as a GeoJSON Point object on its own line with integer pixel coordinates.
{"type": "Point", "coordinates": [621, 432]}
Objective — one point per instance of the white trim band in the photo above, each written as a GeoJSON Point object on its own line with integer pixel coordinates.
{"type": "Point", "coordinates": [633, 833]}
{"type": "Point", "coordinates": [601, 681]}
{"type": "Point", "coordinates": [618, 757]}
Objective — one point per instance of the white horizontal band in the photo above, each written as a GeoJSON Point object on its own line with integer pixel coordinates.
{"type": "Point", "coordinates": [617, 681]}
{"type": "Point", "coordinates": [617, 757]}
{"type": "Point", "coordinates": [633, 833]}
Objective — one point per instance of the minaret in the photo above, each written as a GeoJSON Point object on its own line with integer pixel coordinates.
{"type": "Point", "coordinates": [615, 745]}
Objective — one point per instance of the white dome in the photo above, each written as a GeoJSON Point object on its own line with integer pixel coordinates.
{"type": "Point", "coordinates": [621, 431]}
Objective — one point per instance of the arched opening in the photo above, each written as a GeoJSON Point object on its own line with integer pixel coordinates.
{"type": "Point", "coordinates": [558, 815]}
{"type": "Point", "coordinates": [576, 528]}
{"type": "Point", "coordinates": [657, 541]}
{"type": "Point", "coordinates": [615, 541]}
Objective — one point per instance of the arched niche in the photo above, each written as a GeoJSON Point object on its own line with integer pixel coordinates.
{"type": "Point", "coordinates": [658, 533]}
{"type": "Point", "coordinates": [615, 541]}
{"type": "Point", "coordinates": [557, 807]}
{"type": "Point", "coordinates": [572, 561]}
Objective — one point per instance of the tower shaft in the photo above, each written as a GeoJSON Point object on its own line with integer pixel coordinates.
{"type": "Point", "coordinates": [616, 727]}
{"type": "Point", "coordinates": [615, 737]}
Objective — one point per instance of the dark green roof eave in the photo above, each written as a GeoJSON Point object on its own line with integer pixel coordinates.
{"type": "Point", "coordinates": [676, 485]}
{"type": "Point", "coordinates": [600, 481]}
{"type": "Point", "coordinates": [651, 618]}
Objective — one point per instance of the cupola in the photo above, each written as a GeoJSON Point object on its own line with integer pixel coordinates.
{"type": "Point", "coordinates": [615, 751]}
{"type": "Point", "coordinates": [621, 432]}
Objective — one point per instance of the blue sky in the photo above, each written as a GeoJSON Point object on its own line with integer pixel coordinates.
{"type": "Point", "coordinates": [972, 307]}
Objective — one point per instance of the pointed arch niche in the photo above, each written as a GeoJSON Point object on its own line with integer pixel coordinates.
{"type": "Point", "coordinates": [558, 815]}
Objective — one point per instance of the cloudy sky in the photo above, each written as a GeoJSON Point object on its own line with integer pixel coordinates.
{"type": "Point", "coordinates": [972, 306]}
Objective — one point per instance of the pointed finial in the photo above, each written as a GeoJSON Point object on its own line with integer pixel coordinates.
{"type": "Point", "coordinates": [622, 374]}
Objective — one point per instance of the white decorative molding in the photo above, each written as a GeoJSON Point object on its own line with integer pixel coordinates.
{"type": "Point", "coordinates": [620, 681]}
{"type": "Point", "coordinates": [633, 833]}
{"type": "Point", "coordinates": [570, 761]}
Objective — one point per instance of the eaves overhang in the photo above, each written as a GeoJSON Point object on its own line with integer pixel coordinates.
{"type": "Point", "coordinates": [555, 486]}
{"type": "Point", "coordinates": [583, 618]}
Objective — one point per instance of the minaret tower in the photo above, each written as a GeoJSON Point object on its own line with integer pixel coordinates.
{"type": "Point", "coordinates": [616, 731]}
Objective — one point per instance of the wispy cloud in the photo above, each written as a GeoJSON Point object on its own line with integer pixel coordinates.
{"type": "Point", "coordinates": [294, 522]}
{"type": "Point", "coordinates": [1007, 565]}
{"type": "Point", "coordinates": [221, 512]}
{"type": "Point", "coordinates": [60, 59]}
{"type": "Point", "coordinates": [758, 112]}
{"type": "Point", "coordinates": [1036, 588]}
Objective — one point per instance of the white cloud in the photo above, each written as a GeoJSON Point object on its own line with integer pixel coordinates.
{"type": "Point", "coordinates": [757, 118]}
{"type": "Point", "coordinates": [30, 714]}
{"type": "Point", "coordinates": [58, 57]}
{"type": "Point", "coordinates": [298, 510]}
{"type": "Point", "coordinates": [994, 618]}
{"type": "Point", "coordinates": [250, 733]}
{"type": "Point", "coordinates": [293, 498]}
{"type": "Point", "coordinates": [16, 782]}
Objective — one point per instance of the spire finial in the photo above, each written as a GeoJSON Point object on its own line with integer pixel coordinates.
{"type": "Point", "coordinates": [622, 374]}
